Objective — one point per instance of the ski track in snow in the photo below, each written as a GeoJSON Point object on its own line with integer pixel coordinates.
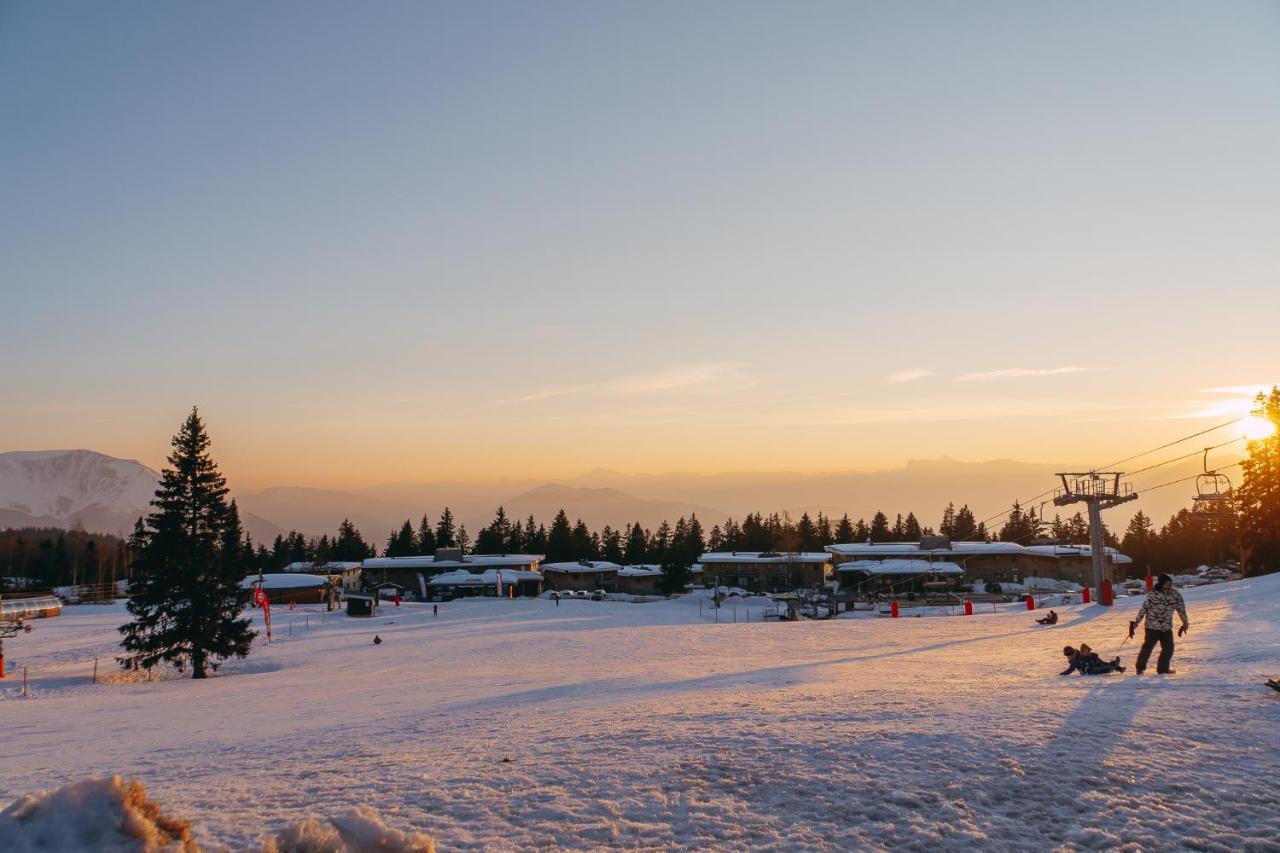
{"type": "Point", "coordinates": [519, 724]}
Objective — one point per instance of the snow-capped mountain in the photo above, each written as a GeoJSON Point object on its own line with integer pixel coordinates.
{"type": "Point", "coordinates": [66, 488]}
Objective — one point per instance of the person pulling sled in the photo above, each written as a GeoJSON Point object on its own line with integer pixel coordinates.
{"type": "Point", "coordinates": [1158, 610]}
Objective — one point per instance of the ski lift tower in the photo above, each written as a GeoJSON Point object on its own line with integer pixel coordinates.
{"type": "Point", "coordinates": [1098, 490]}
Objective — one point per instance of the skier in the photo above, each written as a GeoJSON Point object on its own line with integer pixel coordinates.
{"type": "Point", "coordinates": [377, 641]}
{"type": "Point", "coordinates": [1087, 662]}
{"type": "Point", "coordinates": [1158, 610]}
{"type": "Point", "coordinates": [1050, 619]}
{"type": "Point", "coordinates": [435, 610]}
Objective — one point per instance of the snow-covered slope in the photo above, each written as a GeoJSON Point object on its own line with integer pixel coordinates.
{"type": "Point", "coordinates": [73, 487]}
{"type": "Point", "coordinates": [512, 725]}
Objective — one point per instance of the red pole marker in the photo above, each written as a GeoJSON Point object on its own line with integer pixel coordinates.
{"type": "Point", "coordinates": [1106, 595]}
{"type": "Point", "coordinates": [1088, 595]}
{"type": "Point", "coordinates": [1, 666]}
{"type": "Point", "coordinates": [1150, 583]}
{"type": "Point", "coordinates": [1031, 603]}
{"type": "Point", "coordinates": [893, 609]}
{"type": "Point", "coordinates": [968, 608]}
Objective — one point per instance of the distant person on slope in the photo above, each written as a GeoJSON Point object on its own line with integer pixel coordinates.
{"type": "Point", "coordinates": [1158, 610]}
{"type": "Point", "coordinates": [1051, 619]}
{"type": "Point", "coordinates": [1087, 662]}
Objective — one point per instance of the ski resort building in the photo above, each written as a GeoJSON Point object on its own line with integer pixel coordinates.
{"type": "Point", "coordinates": [765, 571]}
{"type": "Point", "coordinates": [415, 573]}
{"type": "Point", "coordinates": [460, 583]}
{"type": "Point", "coordinates": [639, 580]}
{"type": "Point", "coordinates": [868, 577]}
{"type": "Point", "coordinates": [345, 573]}
{"type": "Point", "coordinates": [290, 587]}
{"type": "Point", "coordinates": [584, 574]}
{"type": "Point", "coordinates": [990, 562]}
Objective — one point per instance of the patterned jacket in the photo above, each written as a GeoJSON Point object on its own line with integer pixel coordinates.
{"type": "Point", "coordinates": [1159, 608]}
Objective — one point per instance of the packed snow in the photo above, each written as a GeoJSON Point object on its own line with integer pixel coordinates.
{"type": "Point", "coordinates": [517, 724]}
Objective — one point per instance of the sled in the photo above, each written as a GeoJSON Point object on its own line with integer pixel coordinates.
{"type": "Point", "coordinates": [1274, 684]}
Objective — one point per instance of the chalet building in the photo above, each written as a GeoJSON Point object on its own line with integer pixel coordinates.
{"type": "Point", "coordinates": [870, 577]}
{"type": "Point", "coordinates": [415, 573]}
{"type": "Point", "coordinates": [639, 580]}
{"type": "Point", "coordinates": [765, 571]}
{"type": "Point", "coordinates": [1075, 563]}
{"type": "Point", "coordinates": [490, 583]}
{"type": "Point", "coordinates": [289, 587]}
{"type": "Point", "coordinates": [346, 574]}
{"type": "Point", "coordinates": [584, 574]}
{"type": "Point", "coordinates": [990, 562]}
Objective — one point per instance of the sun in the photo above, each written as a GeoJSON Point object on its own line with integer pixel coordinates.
{"type": "Point", "coordinates": [1256, 428]}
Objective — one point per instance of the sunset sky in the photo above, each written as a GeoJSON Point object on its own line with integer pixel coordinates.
{"type": "Point", "coordinates": [414, 241]}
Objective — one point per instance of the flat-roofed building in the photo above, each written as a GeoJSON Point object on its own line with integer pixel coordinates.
{"type": "Point", "coordinates": [990, 562]}
{"type": "Point", "coordinates": [584, 574]}
{"type": "Point", "coordinates": [765, 571]}
{"type": "Point", "coordinates": [414, 573]}
{"type": "Point", "coordinates": [640, 580]}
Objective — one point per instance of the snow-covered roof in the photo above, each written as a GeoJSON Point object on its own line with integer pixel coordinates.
{"type": "Point", "coordinates": [1078, 551]}
{"type": "Point", "coordinates": [968, 549]}
{"type": "Point", "coordinates": [282, 580]}
{"type": "Point", "coordinates": [489, 577]}
{"type": "Point", "coordinates": [469, 561]}
{"type": "Point", "coordinates": [901, 567]}
{"type": "Point", "coordinates": [764, 557]}
{"type": "Point", "coordinates": [588, 566]}
{"type": "Point", "coordinates": [643, 571]}
{"type": "Point", "coordinates": [331, 566]}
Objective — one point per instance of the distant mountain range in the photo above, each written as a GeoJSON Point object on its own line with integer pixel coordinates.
{"type": "Point", "coordinates": [85, 489]}
{"type": "Point", "coordinates": [69, 488]}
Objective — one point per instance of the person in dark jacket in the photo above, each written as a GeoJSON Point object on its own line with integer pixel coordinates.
{"type": "Point", "coordinates": [1087, 662]}
{"type": "Point", "coordinates": [1050, 619]}
{"type": "Point", "coordinates": [1162, 602]}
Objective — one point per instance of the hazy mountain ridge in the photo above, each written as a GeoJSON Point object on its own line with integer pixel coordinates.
{"type": "Point", "coordinates": [103, 494]}
{"type": "Point", "coordinates": [85, 489]}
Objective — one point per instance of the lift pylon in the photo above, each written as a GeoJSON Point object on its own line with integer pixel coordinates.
{"type": "Point", "coordinates": [1097, 490]}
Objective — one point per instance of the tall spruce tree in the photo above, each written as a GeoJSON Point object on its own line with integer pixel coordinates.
{"type": "Point", "coordinates": [185, 596]}
{"type": "Point", "coordinates": [446, 533]}
{"type": "Point", "coordinates": [426, 539]}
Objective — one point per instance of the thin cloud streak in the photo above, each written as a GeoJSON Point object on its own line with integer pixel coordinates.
{"type": "Point", "coordinates": [547, 394]}
{"type": "Point", "coordinates": [671, 379]}
{"type": "Point", "coordinates": [1022, 372]}
{"type": "Point", "coordinates": [898, 377]}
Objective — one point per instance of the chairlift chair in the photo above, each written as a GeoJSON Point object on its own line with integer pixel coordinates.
{"type": "Point", "coordinates": [1213, 498]}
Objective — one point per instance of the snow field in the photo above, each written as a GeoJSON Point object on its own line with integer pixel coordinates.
{"type": "Point", "coordinates": [518, 724]}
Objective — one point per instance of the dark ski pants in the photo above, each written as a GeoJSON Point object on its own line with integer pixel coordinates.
{"type": "Point", "coordinates": [1165, 639]}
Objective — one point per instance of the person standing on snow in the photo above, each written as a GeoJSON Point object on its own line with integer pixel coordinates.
{"type": "Point", "coordinates": [1158, 610]}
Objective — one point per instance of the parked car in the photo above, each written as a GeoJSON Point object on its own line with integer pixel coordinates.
{"type": "Point", "coordinates": [599, 595]}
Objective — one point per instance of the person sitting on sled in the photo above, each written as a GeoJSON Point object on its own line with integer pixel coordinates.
{"type": "Point", "coordinates": [1087, 662]}
{"type": "Point", "coordinates": [1050, 619]}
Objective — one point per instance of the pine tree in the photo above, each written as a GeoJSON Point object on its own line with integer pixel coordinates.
{"type": "Point", "coordinates": [185, 597]}
{"type": "Point", "coordinates": [464, 541]}
{"type": "Point", "coordinates": [911, 528]}
{"type": "Point", "coordinates": [426, 541]}
{"type": "Point", "coordinates": [1139, 540]}
{"type": "Point", "coordinates": [636, 550]}
{"type": "Point", "coordinates": [580, 542]}
{"type": "Point", "coordinates": [446, 533]}
{"type": "Point", "coordinates": [844, 530]}
{"type": "Point", "coordinates": [400, 542]}
{"type": "Point", "coordinates": [560, 539]}
{"type": "Point", "coordinates": [695, 544]}
{"type": "Point", "coordinates": [611, 545]}
{"type": "Point", "coordinates": [806, 534]}
{"type": "Point", "coordinates": [966, 528]}
{"type": "Point", "coordinates": [948, 525]}
{"type": "Point", "coordinates": [880, 528]}
{"type": "Point", "coordinates": [824, 532]}
{"type": "Point", "coordinates": [1259, 494]}
{"type": "Point", "coordinates": [348, 547]}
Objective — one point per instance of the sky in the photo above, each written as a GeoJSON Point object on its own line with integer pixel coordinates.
{"type": "Point", "coordinates": [424, 241]}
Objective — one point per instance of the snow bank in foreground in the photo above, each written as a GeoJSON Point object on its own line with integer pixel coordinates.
{"type": "Point", "coordinates": [109, 814]}
{"type": "Point", "coordinates": [359, 829]}
{"type": "Point", "coordinates": [93, 814]}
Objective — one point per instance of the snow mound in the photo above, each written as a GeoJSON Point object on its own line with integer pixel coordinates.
{"type": "Point", "coordinates": [94, 814]}
{"type": "Point", "coordinates": [358, 830]}
{"type": "Point", "coordinates": [109, 815]}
